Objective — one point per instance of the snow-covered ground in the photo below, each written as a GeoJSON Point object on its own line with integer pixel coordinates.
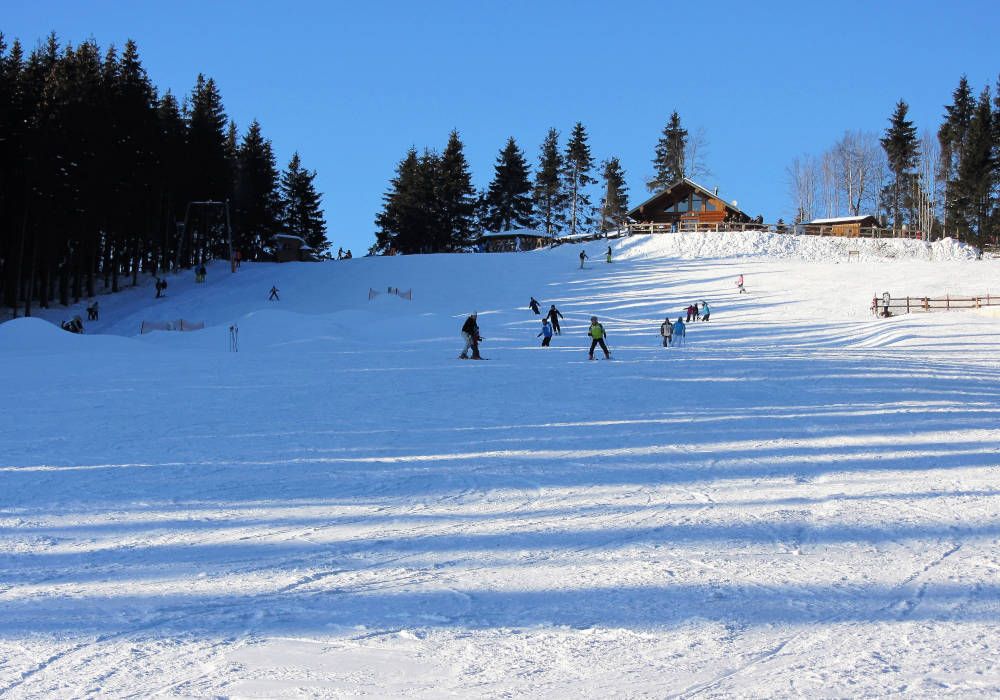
{"type": "Point", "coordinates": [802, 502]}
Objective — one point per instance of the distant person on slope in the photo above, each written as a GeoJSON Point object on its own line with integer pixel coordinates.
{"type": "Point", "coordinates": [597, 336]}
{"type": "Point", "coordinates": [274, 294]}
{"type": "Point", "coordinates": [470, 332]}
{"type": "Point", "coordinates": [739, 284]}
{"type": "Point", "coordinates": [667, 331]}
{"type": "Point", "coordinates": [583, 258]}
{"type": "Point", "coordinates": [680, 332]}
{"type": "Point", "coordinates": [554, 315]}
{"type": "Point", "coordinates": [609, 254]}
{"type": "Point", "coordinates": [705, 311]}
{"type": "Point", "coordinates": [533, 305]}
{"type": "Point", "coordinates": [546, 333]}
{"type": "Point", "coordinates": [692, 312]}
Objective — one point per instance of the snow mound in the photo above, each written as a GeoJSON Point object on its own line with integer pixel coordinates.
{"type": "Point", "coordinates": [35, 335]}
{"type": "Point", "coordinates": [689, 246]}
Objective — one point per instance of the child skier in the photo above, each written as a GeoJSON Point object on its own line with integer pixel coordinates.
{"type": "Point", "coordinates": [533, 305]}
{"type": "Point", "coordinates": [597, 336]}
{"type": "Point", "coordinates": [667, 331]}
{"type": "Point", "coordinates": [546, 334]}
{"type": "Point", "coordinates": [274, 294]}
{"type": "Point", "coordinates": [583, 257]}
{"type": "Point", "coordinates": [739, 284]}
{"type": "Point", "coordinates": [705, 311]}
{"type": "Point", "coordinates": [609, 254]}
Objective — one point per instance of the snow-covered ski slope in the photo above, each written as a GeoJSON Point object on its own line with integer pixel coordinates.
{"type": "Point", "coordinates": [802, 502]}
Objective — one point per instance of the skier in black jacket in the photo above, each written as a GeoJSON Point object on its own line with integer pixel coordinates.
{"type": "Point", "coordinates": [533, 305]}
{"type": "Point", "coordinates": [554, 315]}
{"type": "Point", "coordinates": [470, 332]}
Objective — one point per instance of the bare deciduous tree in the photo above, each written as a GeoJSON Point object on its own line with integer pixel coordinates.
{"type": "Point", "coordinates": [928, 193]}
{"type": "Point", "coordinates": [803, 181]}
{"type": "Point", "coordinates": [856, 158]}
{"type": "Point", "coordinates": [696, 155]}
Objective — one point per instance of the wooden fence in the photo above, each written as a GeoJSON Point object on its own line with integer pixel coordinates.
{"type": "Point", "coordinates": [800, 229]}
{"type": "Point", "coordinates": [396, 291]}
{"type": "Point", "coordinates": [880, 305]}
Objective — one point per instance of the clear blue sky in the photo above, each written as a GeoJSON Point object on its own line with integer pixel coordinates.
{"type": "Point", "coordinates": [353, 85]}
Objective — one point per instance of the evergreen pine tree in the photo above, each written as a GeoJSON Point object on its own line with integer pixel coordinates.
{"type": "Point", "coordinates": [614, 207]}
{"type": "Point", "coordinates": [396, 222]}
{"type": "Point", "coordinates": [951, 137]}
{"type": "Point", "coordinates": [300, 204]}
{"type": "Point", "coordinates": [902, 149]}
{"type": "Point", "coordinates": [170, 176]}
{"type": "Point", "coordinates": [547, 193]}
{"type": "Point", "coordinates": [456, 199]}
{"type": "Point", "coordinates": [210, 166]}
{"type": "Point", "coordinates": [211, 150]}
{"type": "Point", "coordinates": [994, 226]}
{"type": "Point", "coordinates": [668, 159]}
{"type": "Point", "coordinates": [976, 177]}
{"type": "Point", "coordinates": [577, 163]}
{"type": "Point", "coordinates": [507, 203]}
{"type": "Point", "coordinates": [256, 207]}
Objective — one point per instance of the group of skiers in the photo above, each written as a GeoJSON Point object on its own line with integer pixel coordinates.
{"type": "Point", "coordinates": [673, 333]}
{"type": "Point", "coordinates": [698, 311]}
{"type": "Point", "coordinates": [342, 255]}
{"type": "Point", "coordinates": [550, 327]}
{"type": "Point", "coordinates": [584, 257]}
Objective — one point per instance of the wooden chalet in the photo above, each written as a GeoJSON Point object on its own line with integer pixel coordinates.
{"type": "Point", "coordinates": [686, 205]}
{"type": "Point", "coordinates": [514, 241]}
{"type": "Point", "coordinates": [844, 225]}
{"type": "Point", "coordinates": [289, 248]}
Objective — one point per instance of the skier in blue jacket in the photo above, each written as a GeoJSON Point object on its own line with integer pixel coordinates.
{"type": "Point", "coordinates": [546, 333]}
{"type": "Point", "coordinates": [680, 330]}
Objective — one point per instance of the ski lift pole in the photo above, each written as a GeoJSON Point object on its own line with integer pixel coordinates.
{"type": "Point", "coordinates": [229, 232]}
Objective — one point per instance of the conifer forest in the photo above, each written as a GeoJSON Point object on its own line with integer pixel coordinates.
{"type": "Point", "coordinates": [100, 171]}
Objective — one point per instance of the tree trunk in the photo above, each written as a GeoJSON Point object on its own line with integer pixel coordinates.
{"type": "Point", "coordinates": [31, 279]}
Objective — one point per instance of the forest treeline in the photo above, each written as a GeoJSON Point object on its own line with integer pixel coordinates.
{"type": "Point", "coordinates": [945, 183]}
{"type": "Point", "coordinates": [941, 183]}
{"type": "Point", "coordinates": [99, 168]}
{"type": "Point", "coordinates": [432, 206]}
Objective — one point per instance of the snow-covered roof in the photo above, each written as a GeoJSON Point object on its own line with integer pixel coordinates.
{"type": "Point", "coordinates": [704, 190]}
{"type": "Point", "coordinates": [533, 233]}
{"type": "Point", "coordinates": [843, 219]}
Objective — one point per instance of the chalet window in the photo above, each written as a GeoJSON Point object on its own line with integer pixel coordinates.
{"type": "Point", "coordinates": [710, 205]}
{"type": "Point", "coordinates": [696, 203]}
{"type": "Point", "coordinates": [683, 205]}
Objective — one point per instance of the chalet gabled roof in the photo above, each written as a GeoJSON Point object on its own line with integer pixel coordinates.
{"type": "Point", "coordinates": [634, 213]}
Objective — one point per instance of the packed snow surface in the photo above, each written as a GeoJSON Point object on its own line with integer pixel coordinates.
{"type": "Point", "coordinates": [803, 501]}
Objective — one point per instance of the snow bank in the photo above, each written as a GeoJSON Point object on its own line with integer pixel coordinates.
{"type": "Point", "coordinates": [35, 335]}
{"type": "Point", "coordinates": [690, 246]}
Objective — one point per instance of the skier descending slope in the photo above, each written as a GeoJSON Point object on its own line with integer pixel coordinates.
{"type": "Point", "coordinates": [533, 305]}
{"type": "Point", "coordinates": [470, 331]}
{"type": "Point", "coordinates": [554, 315]}
{"type": "Point", "coordinates": [546, 334]}
{"type": "Point", "coordinates": [597, 336]}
